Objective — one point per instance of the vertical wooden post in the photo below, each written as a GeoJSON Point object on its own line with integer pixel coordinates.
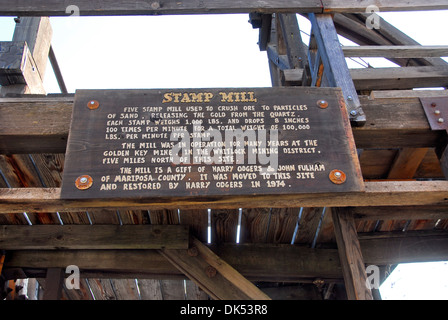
{"type": "Point", "coordinates": [352, 262]}
{"type": "Point", "coordinates": [53, 284]}
{"type": "Point", "coordinates": [295, 48]}
{"type": "Point", "coordinates": [37, 33]}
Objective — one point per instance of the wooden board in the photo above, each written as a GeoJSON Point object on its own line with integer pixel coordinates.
{"type": "Point", "coordinates": [208, 142]}
{"type": "Point", "coordinates": [54, 237]}
{"type": "Point", "coordinates": [378, 193]}
{"type": "Point", "coordinates": [156, 7]}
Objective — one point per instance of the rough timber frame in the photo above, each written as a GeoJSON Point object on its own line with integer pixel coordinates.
{"type": "Point", "coordinates": [375, 125]}
{"type": "Point", "coordinates": [58, 8]}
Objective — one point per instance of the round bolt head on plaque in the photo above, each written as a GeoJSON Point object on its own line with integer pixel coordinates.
{"type": "Point", "coordinates": [93, 104]}
{"type": "Point", "coordinates": [337, 177]}
{"type": "Point", "coordinates": [84, 182]}
{"type": "Point", "coordinates": [322, 104]}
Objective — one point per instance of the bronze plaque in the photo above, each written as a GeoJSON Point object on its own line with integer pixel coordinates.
{"type": "Point", "coordinates": [208, 142]}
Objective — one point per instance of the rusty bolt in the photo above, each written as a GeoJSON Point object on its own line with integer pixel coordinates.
{"type": "Point", "coordinates": [318, 282]}
{"type": "Point", "coordinates": [337, 177]}
{"type": "Point", "coordinates": [93, 104]}
{"type": "Point", "coordinates": [441, 120]}
{"type": "Point", "coordinates": [437, 112]}
{"type": "Point", "coordinates": [210, 272]}
{"type": "Point", "coordinates": [433, 104]}
{"type": "Point", "coordinates": [84, 182]}
{"type": "Point", "coordinates": [322, 104]}
{"type": "Point", "coordinates": [193, 252]}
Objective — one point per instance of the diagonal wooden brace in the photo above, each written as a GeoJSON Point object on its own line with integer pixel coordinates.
{"type": "Point", "coordinates": [212, 274]}
{"type": "Point", "coordinates": [335, 68]}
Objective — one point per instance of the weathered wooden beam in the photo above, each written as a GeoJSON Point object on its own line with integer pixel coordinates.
{"type": "Point", "coordinates": [383, 248]}
{"type": "Point", "coordinates": [334, 65]}
{"type": "Point", "coordinates": [27, 57]}
{"type": "Point", "coordinates": [350, 255]}
{"type": "Point", "coordinates": [383, 193]}
{"type": "Point", "coordinates": [41, 124]}
{"type": "Point", "coordinates": [399, 213]}
{"type": "Point", "coordinates": [157, 7]}
{"type": "Point", "coordinates": [410, 51]}
{"type": "Point", "coordinates": [395, 123]}
{"type": "Point", "coordinates": [255, 261]}
{"type": "Point", "coordinates": [394, 78]}
{"type": "Point", "coordinates": [406, 163]}
{"type": "Point", "coordinates": [398, 94]}
{"type": "Point", "coordinates": [53, 284]}
{"type": "Point", "coordinates": [32, 124]}
{"type": "Point", "coordinates": [53, 237]}
{"type": "Point", "coordinates": [37, 33]}
{"type": "Point", "coordinates": [18, 68]}
{"type": "Point", "coordinates": [354, 27]}
{"type": "Point", "coordinates": [296, 50]}
{"type": "Point", "coordinates": [57, 8]}
{"type": "Point", "coordinates": [212, 274]}
{"type": "Point", "coordinates": [383, 5]}
{"type": "Point", "coordinates": [400, 78]}
{"type": "Point", "coordinates": [57, 71]}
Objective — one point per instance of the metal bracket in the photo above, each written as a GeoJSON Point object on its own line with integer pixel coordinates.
{"type": "Point", "coordinates": [281, 61]}
{"type": "Point", "coordinates": [436, 110]}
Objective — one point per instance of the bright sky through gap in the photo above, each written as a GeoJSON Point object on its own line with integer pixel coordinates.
{"type": "Point", "coordinates": [209, 51]}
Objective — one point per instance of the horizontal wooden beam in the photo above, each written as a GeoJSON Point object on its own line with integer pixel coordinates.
{"type": "Point", "coordinates": [399, 78]}
{"type": "Point", "coordinates": [17, 67]}
{"type": "Point", "coordinates": [155, 7]}
{"type": "Point", "coordinates": [44, 124]}
{"type": "Point", "coordinates": [397, 94]}
{"type": "Point", "coordinates": [395, 123]}
{"type": "Point", "coordinates": [396, 51]}
{"type": "Point", "coordinates": [54, 237]}
{"type": "Point", "coordinates": [357, 6]}
{"type": "Point", "coordinates": [382, 248]}
{"type": "Point", "coordinates": [384, 193]}
{"type": "Point", "coordinates": [255, 261]}
{"type": "Point", "coordinates": [41, 124]}
{"type": "Point", "coordinates": [399, 213]}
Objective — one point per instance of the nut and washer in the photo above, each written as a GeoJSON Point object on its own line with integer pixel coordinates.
{"type": "Point", "coordinates": [193, 252]}
{"type": "Point", "coordinates": [84, 182]}
{"type": "Point", "coordinates": [337, 177]}
{"type": "Point", "coordinates": [211, 272]}
{"type": "Point", "coordinates": [93, 104]}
